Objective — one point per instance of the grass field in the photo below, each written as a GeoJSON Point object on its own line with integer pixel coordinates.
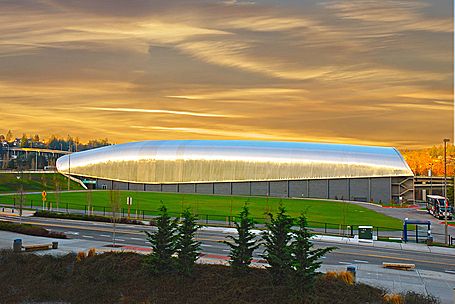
{"type": "Point", "coordinates": [223, 206]}
{"type": "Point", "coordinates": [9, 182]}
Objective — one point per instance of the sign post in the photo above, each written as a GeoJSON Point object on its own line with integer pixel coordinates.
{"type": "Point", "coordinates": [43, 196]}
{"type": "Point", "coordinates": [129, 202]}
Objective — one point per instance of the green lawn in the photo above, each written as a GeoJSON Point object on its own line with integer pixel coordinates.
{"type": "Point", "coordinates": [9, 182]}
{"type": "Point", "coordinates": [220, 207]}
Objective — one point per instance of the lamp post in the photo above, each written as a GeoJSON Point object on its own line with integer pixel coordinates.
{"type": "Point", "coordinates": [446, 209]}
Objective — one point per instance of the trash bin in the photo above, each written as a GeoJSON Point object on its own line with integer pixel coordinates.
{"type": "Point", "coordinates": [54, 245]}
{"type": "Point", "coordinates": [17, 245]}
{"type": "Point", "coordinates": [351, 269]}
{"type": "Point", "coordinates": [365, 232]}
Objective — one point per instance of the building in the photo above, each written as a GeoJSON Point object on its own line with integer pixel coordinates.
{"type": "Point", "coordinates": [259, 168]}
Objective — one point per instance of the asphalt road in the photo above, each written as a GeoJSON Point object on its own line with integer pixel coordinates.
{"type": "Point", "coordinates": [211, 243]}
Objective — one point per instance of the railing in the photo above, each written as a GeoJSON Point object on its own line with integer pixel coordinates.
{"type": "Point", "coordinates": [338, 229]}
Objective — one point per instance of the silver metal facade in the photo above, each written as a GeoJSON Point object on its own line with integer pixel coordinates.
{"type": "Point", "coordinates": [207, 161]}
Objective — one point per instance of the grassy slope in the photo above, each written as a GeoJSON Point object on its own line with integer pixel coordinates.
{"type": "Point", "coordinates": [34, 182]}
{"type": "Point", "coordinates": [316, 210]}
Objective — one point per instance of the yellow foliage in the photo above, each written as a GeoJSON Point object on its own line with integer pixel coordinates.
{"type": "Point", "coordinates": [80, 256]}
{"type": "Point", "coordinates": [331, 275]}
{"type": "Point", "coordinates": [345, 276]}
{"type": "Point", "coordinates": [420, 161]}
{"type": "Point", "coordinates": [393, 299]}
{"type": "Point", "coordinates": [91, 252]}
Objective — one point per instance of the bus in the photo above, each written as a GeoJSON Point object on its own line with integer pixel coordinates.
{"type": "Point", "coordinates": [437, 205]}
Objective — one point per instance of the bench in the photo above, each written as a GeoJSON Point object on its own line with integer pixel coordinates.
{"type": "Point", "coordinates": [398, 266]}
{"type": "Point", "coordinates": [37, 247]}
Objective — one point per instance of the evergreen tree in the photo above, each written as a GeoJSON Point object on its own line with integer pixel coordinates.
{"type": "Point", "coordinates": [24, 141]}
{"type": "Point", "coordinates": [305, 258]}
{"type": "Point", "coordinates": [243, 246]}
{"type": "Point", "coordinates": [187, 248]}
{"type": "Point", "coordinates": [278, 252]}
{"type": "Point", "coordinates": [163, 243]}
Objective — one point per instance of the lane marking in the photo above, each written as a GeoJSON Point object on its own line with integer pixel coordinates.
{"type": "Point", "coordinates": [361, 261]}
{"type": "Point", "coordinates": [450, 271]}
{"type": "Point", "coordinates": [345, 263]}
{"type": "Point", "coordinates": [383, 257]}
{"type": "Point", "coordinates": [207, 245]}
{"type": "Point", "coordinates": [105, 235]}
{"type": "Point", "coordinates": [202, 239]}
{"type": "Point", "coordinates": [120, 240]}
{"type": "Point", "coordinates": [88, 236]}
{"type": "Point", "coordinates": [137, 239]}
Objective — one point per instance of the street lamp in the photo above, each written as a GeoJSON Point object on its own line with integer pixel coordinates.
{"type": "Point", "coordinates": [446, 209]}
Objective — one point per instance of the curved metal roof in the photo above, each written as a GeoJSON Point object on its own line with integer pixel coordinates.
{"type": "Point", "coordinates": [184, 161]}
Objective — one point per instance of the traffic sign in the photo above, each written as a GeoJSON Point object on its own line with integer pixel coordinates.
{"type": "Point", "coordinates": [44, 195]}
{"type": "Point", "coordinates": [129, 200]}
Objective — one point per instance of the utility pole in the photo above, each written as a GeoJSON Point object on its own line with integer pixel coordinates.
{"type": "Point", "coordinates": [446, 209]}
{"type": "Point", "coordinates": [69, 167]}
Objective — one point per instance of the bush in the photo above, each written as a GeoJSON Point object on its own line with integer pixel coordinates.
{"type": "Point", "coordinates": [84, 217]}
{"type": "Point", "coordinates": [30, 230]}
{"type": "Point", "coordinates": [120, 278]}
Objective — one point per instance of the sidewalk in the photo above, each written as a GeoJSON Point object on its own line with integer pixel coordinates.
{"type": "Point", "coordinates": [357, 242]}
{"type": "Point", "coordinates": [382, 244]}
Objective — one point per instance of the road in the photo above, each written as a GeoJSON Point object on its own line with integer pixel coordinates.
{"type": "Point", "coordinates": [211, 243]}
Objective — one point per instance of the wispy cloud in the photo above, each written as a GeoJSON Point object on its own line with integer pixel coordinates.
{"type": "Point", "coordinates": [160, 111]}
{"type": "Point", "coordinates": [358, 71]}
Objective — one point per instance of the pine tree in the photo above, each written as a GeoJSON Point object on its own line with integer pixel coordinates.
{"type": "Point", "coordinates": [278, 252]}
{"type": "Point", "coordinates": [187, 248]}
{"type": "Point", "coordinates": [243, 246]}
{"type": "Point", "coordinates": [306, 260]}
{"type": "Point", "coordinates": [163, 243]}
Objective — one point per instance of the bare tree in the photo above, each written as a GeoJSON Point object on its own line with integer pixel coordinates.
{"type": "Point", "coordinates": [57, 192]}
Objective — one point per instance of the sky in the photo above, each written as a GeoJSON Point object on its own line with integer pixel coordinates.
{"type": "Point", "coordinates": [359, 71]}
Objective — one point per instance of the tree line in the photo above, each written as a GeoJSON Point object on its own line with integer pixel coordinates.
{"type": "Point", "coordinates": [288, 249]}
{"type": "Point", "coordinates": [422, 160]}
{"type": "Point", "coordinates": [54, 142]}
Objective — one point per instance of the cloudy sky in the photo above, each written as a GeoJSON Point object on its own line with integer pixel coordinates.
{"type": "Point", "coordinates": [364, 72]}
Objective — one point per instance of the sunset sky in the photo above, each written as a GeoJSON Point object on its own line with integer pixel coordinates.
{"type": "Point", "coordinates": [363, 72]}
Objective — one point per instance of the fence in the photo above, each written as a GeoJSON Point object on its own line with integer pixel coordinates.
{"type": "Point", "coordinates": [338, 229]}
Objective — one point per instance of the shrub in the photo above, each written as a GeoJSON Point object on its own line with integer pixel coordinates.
{"type": "Point", "coordinates": [30, 230]}
{"type": "Point", "coordinates": [344, 276]}
{"type": "Point", "coordinates": [84, 217]}
{"type": "Point", "coordinates": [91, 252]}
{"type": "Point", "coordinates": [393, 298]}
{"type": "Point", "coordinates": [80, 256]}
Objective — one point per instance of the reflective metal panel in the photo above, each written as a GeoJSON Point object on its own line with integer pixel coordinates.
{"type": "Point", "coordinates": [181, 161]}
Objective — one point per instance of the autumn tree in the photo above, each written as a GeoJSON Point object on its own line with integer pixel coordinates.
{"type": "Point", "coordinates": [9, 136]}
